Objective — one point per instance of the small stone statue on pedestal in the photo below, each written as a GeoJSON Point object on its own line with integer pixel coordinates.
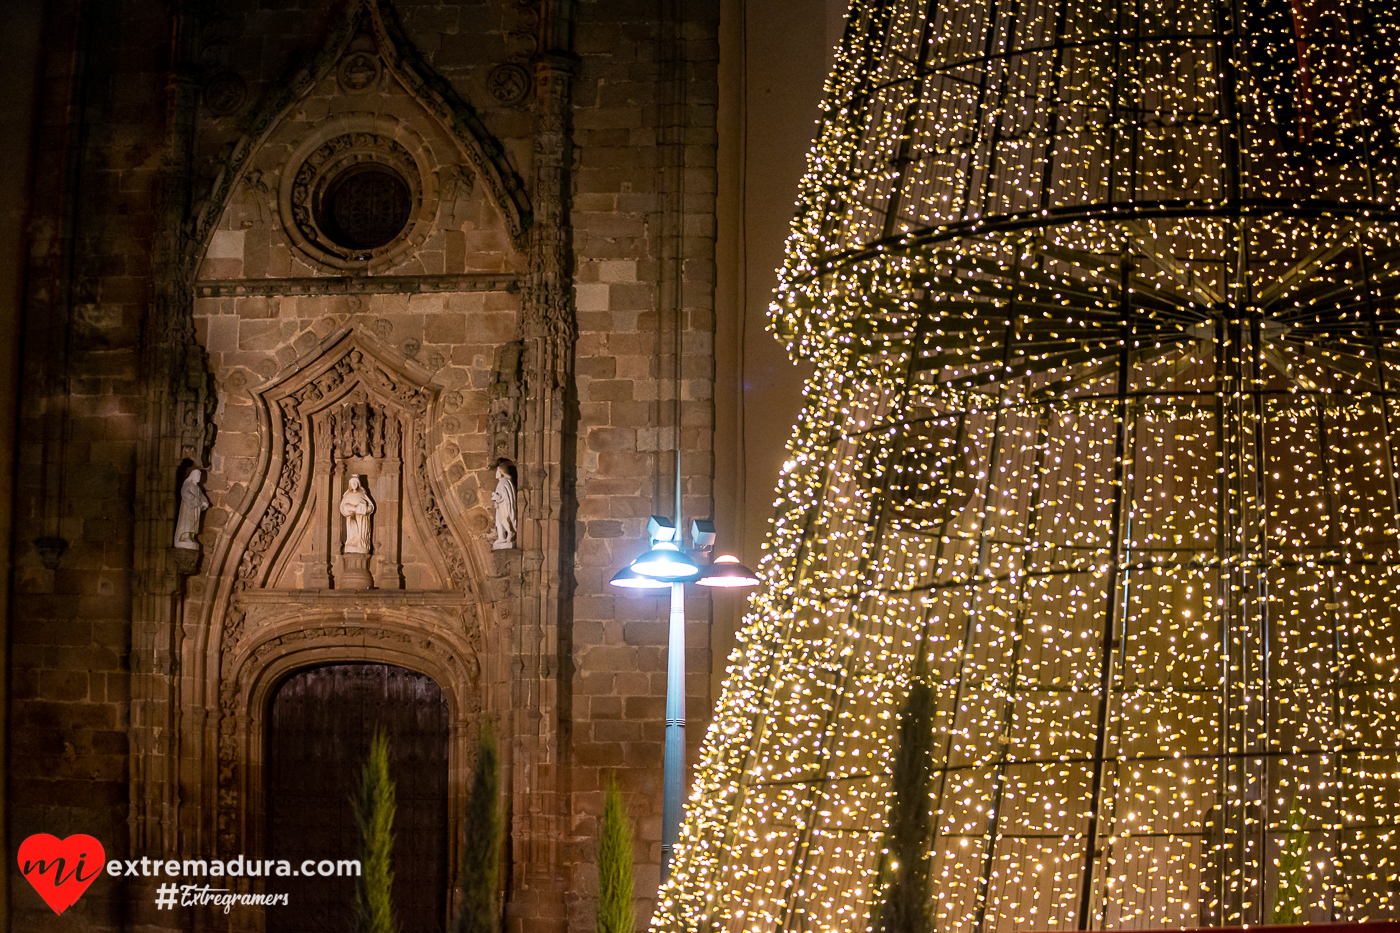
{"type": "Point", "coordinates": [504, 497]}
{"type": "Point", "coordinates": [193, 502]}
{"type": "Point", "coordinates": [357, 507]}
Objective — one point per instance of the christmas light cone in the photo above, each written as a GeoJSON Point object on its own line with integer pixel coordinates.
{"type": "Point", "coordinates": [1101, 447]}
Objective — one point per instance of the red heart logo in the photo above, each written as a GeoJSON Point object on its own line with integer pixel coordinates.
{"type": "Point", "coordinates": [61, 869]}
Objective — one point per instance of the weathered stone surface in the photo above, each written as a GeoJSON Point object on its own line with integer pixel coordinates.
{"type": "Point", "coordinates": [184, 298]}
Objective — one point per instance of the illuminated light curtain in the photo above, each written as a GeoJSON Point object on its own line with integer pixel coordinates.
{"type": "Point", "coordinates": [1102, 446]}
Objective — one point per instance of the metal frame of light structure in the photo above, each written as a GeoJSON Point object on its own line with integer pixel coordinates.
{"type": "Point", "coordinates": [1094, 489]}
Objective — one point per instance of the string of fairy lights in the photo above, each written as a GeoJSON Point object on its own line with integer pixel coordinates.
{"type": "Point", "coordinates": [1102, 448]}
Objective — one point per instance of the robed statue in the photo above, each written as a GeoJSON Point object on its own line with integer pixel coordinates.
{"type": "Point", "coordinates": [504, 498]}
{"type": "Point", "coordinates": [193, 502]}
{"type": "Point", "coordinates": [357, 507]}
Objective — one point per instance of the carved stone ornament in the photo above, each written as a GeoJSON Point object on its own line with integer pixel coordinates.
{"type": "Point", "coordinates": [455, 186]}
{"type": "Point", "coordinates": [351, 413]}
{"type": "Point", "coordinates": [347, 439]}
{"type": "Point", "coordinates": [224, 93]}
{"type": "Point", "coordinates": [352, 198]}
{"type": "Point", "coordinates": [362, 32]}
{"type": "Point", "coordinates": [255, 196]}
{"type": "Point", "coordinates": [357, 507]}
{"type": "Point", "coordinates": [51, 549]}
{"type": "Point", "coordinates": [186, 560]}
{"type": "Point", "coordinates": [438, 635]}
{"type": "Point", "coordinates": [508, 84]}
{"type": "Point", "coordinates": [358, 72]}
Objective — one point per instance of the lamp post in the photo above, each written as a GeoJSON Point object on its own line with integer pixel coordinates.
{"type": "Point", "coordinates": [668, 564]}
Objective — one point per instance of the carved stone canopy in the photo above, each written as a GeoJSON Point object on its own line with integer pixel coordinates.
{"type": "Point", "coordinates": [352, 410]}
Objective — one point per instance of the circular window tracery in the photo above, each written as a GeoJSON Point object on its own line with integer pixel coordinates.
{"type": "Point", "coordinates": [353, 200]}
{"type": "Point", "coordinates": [365, 207]}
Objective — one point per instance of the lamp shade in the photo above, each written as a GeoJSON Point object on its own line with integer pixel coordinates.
{"type": "Point", "coordinates": [665, 562]}
{"type": "Point", "coordinates": [728, 572]}
{"type": "Point", "coordinates": [630, 579]}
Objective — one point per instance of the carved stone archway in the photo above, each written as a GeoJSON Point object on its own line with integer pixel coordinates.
{"type": "Point", "coordinates": [186, 785]}
{"type": "Point", "coordinates": [424, 633]}
{"type": "Point", "coordinates": [284, 591]}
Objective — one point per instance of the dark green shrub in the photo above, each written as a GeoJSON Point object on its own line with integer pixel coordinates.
{"type": "Point", "coordinates": [908, 891]}
{"type": "Point", "coordinates": [615, 913]}
{"type": "Point", "coordinates": [481, 845]}
{"type": "Point", "coordinates": [374, 815]}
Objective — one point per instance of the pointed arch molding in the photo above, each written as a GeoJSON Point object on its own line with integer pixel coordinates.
{"type": "Point", "coordinates": [350, 404]}
{"type": "Point", "coordinates": [484, 152]}
{"type": "Point", "coordinates": [422, 634]}
{"type": "Point", "coordinates": [395, 411]}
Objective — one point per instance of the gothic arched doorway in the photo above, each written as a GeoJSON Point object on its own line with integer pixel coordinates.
{"type": "Point", "coordinates": [320, 725]}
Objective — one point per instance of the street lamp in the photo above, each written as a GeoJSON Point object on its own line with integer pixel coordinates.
{"type": "Point", "coordinates": [668, 564]}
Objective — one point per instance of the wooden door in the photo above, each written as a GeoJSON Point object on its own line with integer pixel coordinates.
{"type": "Point", "coordinates": [321, 723]}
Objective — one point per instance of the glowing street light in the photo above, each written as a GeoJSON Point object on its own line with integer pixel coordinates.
{"type": "Point", "coordinates": [668, 564]}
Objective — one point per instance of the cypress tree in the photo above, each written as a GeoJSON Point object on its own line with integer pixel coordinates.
{"type": "Point", "coordinates": [907, 896]}
{"type": "Point", "coordinates": [374, 816]}
{"type": "Point", "coordinates": [481, 845]}
{"type": "Point", "coordinates": [1291, 898]}
{"type": "Point", "coordinates": [615, 914]}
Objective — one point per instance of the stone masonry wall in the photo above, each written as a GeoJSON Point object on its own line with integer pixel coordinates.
{"type": "Point", "coordinates": [90, 233]}
{"type": "Point", "coordinates": [642, 224]}
{"type": "Point", "coordinates": [644, 124]}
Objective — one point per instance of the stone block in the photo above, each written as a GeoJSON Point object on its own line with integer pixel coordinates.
{"type": "Point", "coordinates": [616, 730]}
{"type": "Point", "coordinates": [604, 529]}
{"type": "Point", "coordinates": [444, 328]}
{"type": "Point", "coordinates": [607, 390]}
{"type": "Point", "coordinates": [592, 297]}
{"type": "Point", "coordinates": [644, 707]}
{"type": "Point", "coordinates": [598, 367]}
{"type": "Point", "coordinates": [618, 270]}
{"type": "Point", "coordinates": [222, 334]}
{"type": "Point", "coordinates": [599, 755]}
{"type": "Point", "coordinates": [652, 631]}
{"type": "Point", "coordinates": [604, 707]}
{"type": "Point", "coordinates": [612, 439]}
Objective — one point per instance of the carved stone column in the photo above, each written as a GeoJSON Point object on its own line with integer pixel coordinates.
{"type": "Point", "coordinates": [386, 488]}
{"type": "Point", "coordinates": [539, 791]}
{"type": "Point", "coordinates": [316, 566]}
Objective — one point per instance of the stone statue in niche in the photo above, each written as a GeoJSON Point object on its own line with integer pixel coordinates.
{"type": "Point", "coordinates": [357, 507]}
{"type": "Point", "coordinates": [193, 502]}
{"type": "Point", "coordinates": [504, 498]}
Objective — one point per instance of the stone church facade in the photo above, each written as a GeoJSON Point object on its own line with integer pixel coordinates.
{"type": "Point", "coordinates": [295, 244]}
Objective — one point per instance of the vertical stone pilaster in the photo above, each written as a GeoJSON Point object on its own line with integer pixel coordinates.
{"type": "Point", "coordinates": [315, 573]}
{"type": "Point", "coordinates": [539, 792]}
{"type": "Point", "coordinates": [174, 428]}
{"type": "Point", "coordinates": [386, 488]}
